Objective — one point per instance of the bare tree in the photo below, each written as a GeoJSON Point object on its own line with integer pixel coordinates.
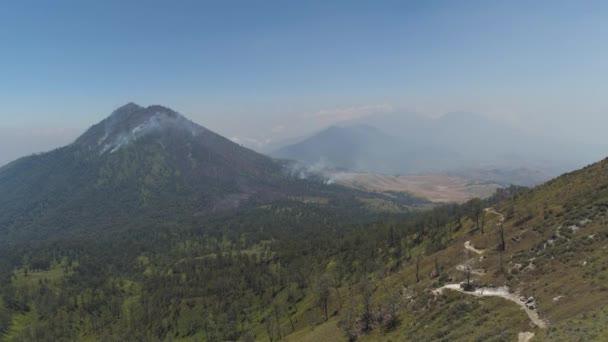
{"type": "Point", "coordinates": [366, 292]}
{"type": "Point", "coordinates": [348, 321]}
{"type": "Point", "coordinates": [322, 291]}
{"type": "Point", "coordinates": [418, 269]}
{"type": "Point", "coordinates": [337, 273]}
{"type": "Point", "coordinates": [501, 264]}
{"type": "Point", "coordinates": [270, 328]}
{"type": "Point", "coordinates": [503, 245]}
{"type": "Point", "coordinates": [437, 268]}
{"type": "Point", "coordinates": [476, 211]}
{"type": "Point", "coordinates": [276, 311]}
{"type": "Point", "coordinates": [392, 302]}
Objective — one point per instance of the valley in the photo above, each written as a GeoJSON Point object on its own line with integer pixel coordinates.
{"type": "Point", "coordinates": [438, 188]}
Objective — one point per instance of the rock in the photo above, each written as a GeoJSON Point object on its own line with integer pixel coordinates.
{"type": "Point", "coordinates": [584, 222]}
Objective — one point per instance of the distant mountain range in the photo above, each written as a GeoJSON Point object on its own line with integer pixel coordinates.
{"type": "Point", "coordinates": [410, 144]}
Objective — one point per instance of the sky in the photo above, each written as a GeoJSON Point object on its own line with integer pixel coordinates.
{"type": "Point", "coordinates": [259, 72]}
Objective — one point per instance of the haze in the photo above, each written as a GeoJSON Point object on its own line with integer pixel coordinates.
{"type": "Point", "coordinates": [267, 71]}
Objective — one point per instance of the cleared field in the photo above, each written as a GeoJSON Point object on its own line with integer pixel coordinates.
{"type": "Point", "coordinates": [434, 187]}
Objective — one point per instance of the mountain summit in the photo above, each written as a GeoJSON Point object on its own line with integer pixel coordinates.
{"type": "Point", "coordinates": [131, 122]}
{"type": "Point", "coordinates": [138, 162]}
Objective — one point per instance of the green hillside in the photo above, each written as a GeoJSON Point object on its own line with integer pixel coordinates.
{"type": "Point", "coordinates": [146, 244]}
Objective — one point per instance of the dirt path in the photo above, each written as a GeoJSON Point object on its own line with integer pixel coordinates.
{"type": "Point", "coordinates": [493, 211]}
{"type": "Point", "coordinates": [469, 247]}
{"type": "Point", "coordinates": [474, 271]}
{"type": "Point", "coordinates": [525, 336]}
{"type": "Point", "coordinates": [502, 292]}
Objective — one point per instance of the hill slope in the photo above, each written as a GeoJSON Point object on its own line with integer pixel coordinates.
{"type": "Point", "coordinates": [553, 264]}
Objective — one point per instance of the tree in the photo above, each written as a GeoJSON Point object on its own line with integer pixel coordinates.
{"type": "Point", "coordinates": [437, 268]}
{"type": "Point", "coordinates": [348, 321]}
{"type": "Point", "coordinates": [391, 305]}
{"type": "Point", "coordinates": [501, 263]}
{"type": "Point", "coordinates": [276, 312]}
{"type": "Point", "coordinates": [336, 275]}
{"type": "Point", "coordinates": [322, 293]}
{"type": "Point", "coordinates": [476, 211]}
{"type": "Point", "coordinates": [392, 237]}
{"type": "Point", "coordinates": [418, 269]}
{"type": "Point", "coordinates": [503, 245]}
{"type": "Point", "coordinates": [366, 293]}
{"type": "Point", "coordinates": [269, 323]}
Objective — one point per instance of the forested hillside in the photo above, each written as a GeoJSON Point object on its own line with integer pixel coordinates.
{"type": "Point", "coordinates": [141, 256]}
{"type": "Point", "coordinates": [260, 275]}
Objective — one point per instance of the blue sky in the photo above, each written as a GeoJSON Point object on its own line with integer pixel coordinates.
{"type": "Point", "coordinates": [267, 70]}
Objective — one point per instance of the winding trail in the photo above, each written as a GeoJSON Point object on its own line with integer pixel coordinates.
{"type": "Point", "coordinates": [502, 292]}
{"type": "Point", "coordinates": [493, 211]}
{"type": "Point", "coordinates": [474, 271]}
{"type": "Point", "coordinates": [525, 336]}
{"type": "Point", "coordinates": [469, 247]}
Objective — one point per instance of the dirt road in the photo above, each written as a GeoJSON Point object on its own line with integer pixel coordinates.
{"type": "Point", "coordinates": [502, 292]}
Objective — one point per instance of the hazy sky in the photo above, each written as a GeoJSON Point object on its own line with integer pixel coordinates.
{"type": "Point", "coordinates": [267, 70]}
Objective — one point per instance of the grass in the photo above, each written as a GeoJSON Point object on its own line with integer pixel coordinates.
{"type": "Point", "coordinates": [19, 323]}
{"type": "Point", "coordinates": [53, 275]}
{"type": "Point", "coordinates": [326, 332]}
{"type": "Point", "coordinates": [574, 266]}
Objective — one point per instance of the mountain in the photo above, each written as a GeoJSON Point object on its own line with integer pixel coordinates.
{"type": "Point", "coordinates": [340, 147]}
{"type": "Point", "coordinates": [362, 148]}
{"type": "Point", "coordinates": [138, 166]}
{"type": "Point", "coordinates": [482, 142]}
{"type": "Point", "coordinates": [404, 143]}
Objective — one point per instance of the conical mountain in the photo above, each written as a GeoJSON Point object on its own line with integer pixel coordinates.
{"type": "Point", "coordinates": [147, 162]}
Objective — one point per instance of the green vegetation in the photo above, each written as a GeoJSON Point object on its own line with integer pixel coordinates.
{"type": "Point", "coordinates": [157, 243]}
{"type": "Point", "coordinates": [289, 268]}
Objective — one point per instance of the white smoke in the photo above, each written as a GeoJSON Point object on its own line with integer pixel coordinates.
{"type": "Point", "coordinates": [113, 139]}
{"type": "Point", "coordinates": [321, 170]}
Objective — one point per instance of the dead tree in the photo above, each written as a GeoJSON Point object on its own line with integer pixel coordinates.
{"type": "Point", "coordinates": [437, 267]}
{"type": "Point", "coordinates": [501, 264]}
{"type": "Point", "coordinates": [503, 245]}
{"type": "Point", "coordinates": [417, 269]}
